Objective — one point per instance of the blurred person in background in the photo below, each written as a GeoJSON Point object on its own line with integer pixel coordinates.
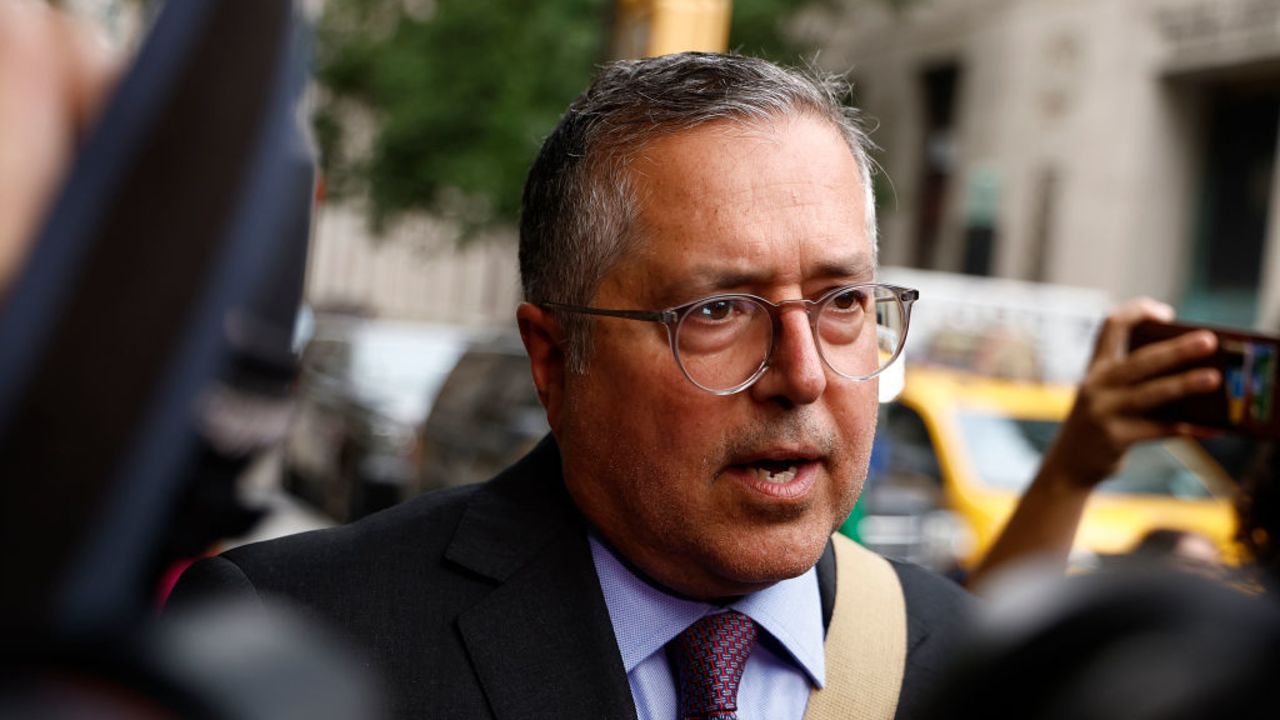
{"type": "Point", "coordinates": [1181, 549]}
{"type": "Point", "coordinates": [687, 497]}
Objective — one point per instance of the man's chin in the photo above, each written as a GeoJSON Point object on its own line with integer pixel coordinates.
{"type": "Point", "coordinates": [766, 562]}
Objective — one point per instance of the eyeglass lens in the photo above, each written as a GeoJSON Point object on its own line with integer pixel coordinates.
{"type": "Point", "coordinates": [724, 341]}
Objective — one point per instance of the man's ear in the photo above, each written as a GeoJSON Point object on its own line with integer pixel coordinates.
{"type": "Point", "coordinates": [544, 341]}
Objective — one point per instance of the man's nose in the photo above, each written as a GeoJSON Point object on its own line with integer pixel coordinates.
{"type": "Point", "coordinates": [796, 372]}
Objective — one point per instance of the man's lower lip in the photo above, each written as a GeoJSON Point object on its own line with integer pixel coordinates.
{"type": "Point", "coordinates": [799, 486]}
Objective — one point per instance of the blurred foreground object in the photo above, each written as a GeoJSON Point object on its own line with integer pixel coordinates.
{"type": "Point", "coordinates": [145, 357]}
{"type": "Point", "coordinates": [238, 661]}
{"type": "Point", "coordinates": [1105, 647]}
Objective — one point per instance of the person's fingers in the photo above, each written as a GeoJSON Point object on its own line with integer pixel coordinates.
{"type": "Point", "coordinates": [1161, 358]}
{"type": "Point", "coordinates": [1165, 389]}
{"type": "Point", "coordinates": [34, 126]}
{"type": "Point", "coordinates": [1135, 430]}
{"type": "Point", "coordinates": [1113, 338]}
{"type": "Point", "coordinates": [90, 68]}
{"type": "Point", "coordinates": [1198, 431]}
{"type": "Point", "coordinates": [1089, 452]}
{"type": "Point", "coordinates": [54, 75]}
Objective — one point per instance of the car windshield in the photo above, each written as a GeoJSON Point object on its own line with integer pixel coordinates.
{"type": "Point", "coordinates": [1006, 452]}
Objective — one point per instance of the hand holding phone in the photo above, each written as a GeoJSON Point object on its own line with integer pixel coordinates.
{"type": "Point", "coordinates": [1246, 400]}
{"type": "Point", "coordinates": [1120, 388]}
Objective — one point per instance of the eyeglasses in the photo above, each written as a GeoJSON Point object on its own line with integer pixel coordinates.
{"type": "Point", "coordinates": [723, 343]}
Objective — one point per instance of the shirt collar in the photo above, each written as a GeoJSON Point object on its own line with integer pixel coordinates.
{"type": "Point", "coordinates": [645, 618]}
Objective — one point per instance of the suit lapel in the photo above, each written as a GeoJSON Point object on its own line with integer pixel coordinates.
{"type": "Point", "coordinates": [541, 643]}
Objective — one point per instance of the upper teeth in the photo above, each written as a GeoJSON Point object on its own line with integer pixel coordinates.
{"type": "Point", "coordinates": [784, 476]}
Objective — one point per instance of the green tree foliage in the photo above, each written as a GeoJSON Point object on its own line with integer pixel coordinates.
{"type": "Point", "coordinates": [461, 95]}
{"type": "Point", "coordinates": [462, 92]}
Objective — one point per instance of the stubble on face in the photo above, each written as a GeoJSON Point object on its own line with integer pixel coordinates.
{"type": "Point", "coordinates": [742, 546]}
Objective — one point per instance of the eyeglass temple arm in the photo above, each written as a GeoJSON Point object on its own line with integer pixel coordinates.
{"type": "Point", "coordinates": [905, 294]}
{"type": "Point", "coordinates": [662, 316]}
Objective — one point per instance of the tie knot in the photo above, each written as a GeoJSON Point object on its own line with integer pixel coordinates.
{"type": "Point", "coordinates": [709, 657]}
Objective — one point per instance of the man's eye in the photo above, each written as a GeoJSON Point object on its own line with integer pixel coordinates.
{"type": "Point", "coordinates": [849, 299]}
{"type": "Point", "coordinates": [718, 310]}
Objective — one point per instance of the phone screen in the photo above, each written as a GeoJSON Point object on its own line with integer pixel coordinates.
{"type": "Point", "coordinates": [1246, 401]}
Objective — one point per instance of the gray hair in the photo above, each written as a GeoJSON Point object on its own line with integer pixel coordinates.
{"type": "Point", "coordinates": [578, 207]}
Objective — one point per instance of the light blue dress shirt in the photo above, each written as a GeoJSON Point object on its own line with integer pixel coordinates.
{"type": "Point", "coordinates": [779, 673]}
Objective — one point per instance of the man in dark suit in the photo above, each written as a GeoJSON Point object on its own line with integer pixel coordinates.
{"type": "Point", "coordinates": [705, 329]}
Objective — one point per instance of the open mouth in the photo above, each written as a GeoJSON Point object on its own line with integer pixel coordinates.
{"type": "Point", "coordinates": [778, 475]}
{"type": "Point", "coordinates": [777, 472]}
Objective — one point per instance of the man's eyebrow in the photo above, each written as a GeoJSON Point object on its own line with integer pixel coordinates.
{"type": "Point", "coordinates": [855, 267]}
{"type": "Point", "coordinates": [709, 279]}
{"type": "Point", "coordinates": [703, 280]}
{"type": "Point", "coordinates": [713, 278]}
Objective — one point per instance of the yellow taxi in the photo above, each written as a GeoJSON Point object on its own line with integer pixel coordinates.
{"type": "Point", "coordinates": [955, 451]}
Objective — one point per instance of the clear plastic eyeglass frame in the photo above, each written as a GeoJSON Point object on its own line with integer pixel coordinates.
{"type": "Point", "coordinates": [673, 317]}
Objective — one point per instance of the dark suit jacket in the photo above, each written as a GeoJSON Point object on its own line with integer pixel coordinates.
{"type": "Point", "coordinates": [483, 602]}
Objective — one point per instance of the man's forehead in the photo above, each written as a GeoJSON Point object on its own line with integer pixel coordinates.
{"type": "Point", "coordinates": [730, 273]}
{"type": "Point", "coordinates": [723, 210]}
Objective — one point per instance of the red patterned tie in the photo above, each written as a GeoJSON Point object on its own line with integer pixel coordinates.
{"type": "Point", "coordinates": [709, 657]}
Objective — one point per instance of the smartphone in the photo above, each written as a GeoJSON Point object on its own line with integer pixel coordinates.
{"type": "Point", "coordinates": [1246, 402]}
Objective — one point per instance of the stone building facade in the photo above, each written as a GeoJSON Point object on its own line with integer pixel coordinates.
{"type": "Point", "coordinates": [1125, 145]}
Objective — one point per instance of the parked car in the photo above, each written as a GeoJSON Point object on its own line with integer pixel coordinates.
{"type": "Point", "coordinates": [486, 415]}
{"type": "Point", "coordinates": [955, 451]}
{"type": "Point", "coordinates": [365, 388]}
